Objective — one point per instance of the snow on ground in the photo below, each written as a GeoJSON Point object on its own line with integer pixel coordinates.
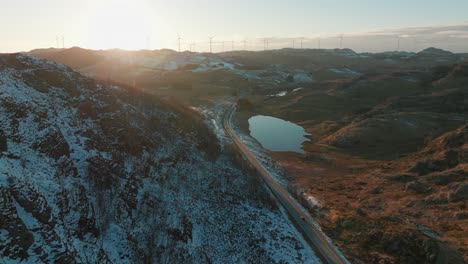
{"type": "Point", "coordinates": [168, 204]}
{"type": "Point", "coordinates": [303, 78]}
{"type": "Point", "coordinates": [346, 72]}
{"type": "Point", "coordinates": [200, 62]}
{"type": "Point", "coordinates": [297, 89]}
{"type": "Point", "coordinates": [280, 94]}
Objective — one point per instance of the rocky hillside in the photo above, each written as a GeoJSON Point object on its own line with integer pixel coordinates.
{"type": "Point", "coordinates": [98, 173]}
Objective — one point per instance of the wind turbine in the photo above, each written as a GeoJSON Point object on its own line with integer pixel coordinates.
{"type": "Point", "coordinates": [245, 44]}
{"type": "Point", "coordinates": [63, 42]}
{"type": "Point", "coordinates": [211, 44]}
{"type": "Point", "coordinates": [232, 45]}
{"type": "Point", "coordinates": [192, 47]}
{"type": "Point", "coordinates": [148, 42]}
{"type": "Point", "coordinates": [399, 42]}
{"type": "Point", "coordinates": [341, 40]}
{"type": "Point", "coordinates": [265, 43]}
{"type": "Point", "coordinates": [179, 38]}
{"type": "Point", "coordinates": [57, 41]}
{"type": "Point", "coordinates": [318, 42]}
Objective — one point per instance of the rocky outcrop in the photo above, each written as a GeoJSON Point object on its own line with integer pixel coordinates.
{"type": "Point", "coordinates": [446, 177]}
{"type": "Point", "coordinates": [448, 160]}
{"type": "Point", "coordinates": [53, 144]}
{"type": "Point", "coordinates": [460, 194]}
{"type": "Point", "coordinates": [3, 142]}
{"type": "Point", "coordinates": [418, 187]}
{"type": "Point", "coordinates": [403, 178]}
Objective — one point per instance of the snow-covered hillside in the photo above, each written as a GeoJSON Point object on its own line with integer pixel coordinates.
{"type": "Point", "coordinates": [97, 173]}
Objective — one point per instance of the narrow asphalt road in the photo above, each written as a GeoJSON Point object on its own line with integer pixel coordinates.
{"type": "Point", "coordinates": [321, 245]}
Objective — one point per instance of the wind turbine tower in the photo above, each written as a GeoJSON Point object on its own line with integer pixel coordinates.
{"type": "Point", "coordinates": [341, 40]}
{"type": "Point", "coordinates": [63, 42]}
{"type": "Point", "coordinates": [57, 41]}
{"type": "Point", "coordinates": [232, 45]}
{"type": "Point", "coordinates": [178, 40]}
{"type": "Point", "coordinates": [318, 42]}
{"type": "Point", "coordinates": [398, 43]}
{"type": "Point", "coordinates": [265, 43]}
{"type": "Point", "coordinates": [211, 44]}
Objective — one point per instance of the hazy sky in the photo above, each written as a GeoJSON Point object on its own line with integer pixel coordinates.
{"type": "Point", "coordinates": [137, 24]}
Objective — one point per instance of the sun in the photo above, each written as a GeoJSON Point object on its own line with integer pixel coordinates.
{"type": "Point", "coordinates": [122, 24]}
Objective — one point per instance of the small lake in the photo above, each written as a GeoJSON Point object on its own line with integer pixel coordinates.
{"type": "Point", "coordinates": [276, 134]}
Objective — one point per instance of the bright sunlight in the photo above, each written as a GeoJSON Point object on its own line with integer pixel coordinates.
{"type": "Point", "coordinates": [120, 24]}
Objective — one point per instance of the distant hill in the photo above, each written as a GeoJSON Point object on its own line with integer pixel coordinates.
{"type": "Point", "coordinates": [73, 57]}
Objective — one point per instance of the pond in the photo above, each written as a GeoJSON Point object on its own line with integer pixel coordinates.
{"type": "Point", "coordinates": [276, 134]}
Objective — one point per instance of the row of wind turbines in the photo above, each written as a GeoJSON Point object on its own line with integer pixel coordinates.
{"type": "Point", "coordinates": [291, 42]}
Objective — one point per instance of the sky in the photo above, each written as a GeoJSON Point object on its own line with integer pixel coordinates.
{"type": "Point", "coordinates": [367, 25]}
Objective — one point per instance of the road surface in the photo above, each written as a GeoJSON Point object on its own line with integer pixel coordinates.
{"type": "Point", "coordinates": [322, 246]}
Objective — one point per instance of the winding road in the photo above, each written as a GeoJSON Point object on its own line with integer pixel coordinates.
{"type": "Point", "coordinates": [327, 252]}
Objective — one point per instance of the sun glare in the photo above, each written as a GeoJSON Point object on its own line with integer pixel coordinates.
{"type": "Point", "coordinates": [120, 24]}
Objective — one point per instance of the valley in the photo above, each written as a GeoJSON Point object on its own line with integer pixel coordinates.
{"type": "Point", "coordinates": [383, 170]}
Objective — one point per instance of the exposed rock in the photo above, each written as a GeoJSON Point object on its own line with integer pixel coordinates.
{"type": "Point", "coordinates": [440, 252]}
{"type": "Point", "coordinates": [418, 187]}
{"type": "Point", "coordinates": [403, 246]}
{"type": "Point", "coordinates": [446, 177]}
{"type": "Point", "coordinates": [361, 212]}
{"type": "Point", "coordinates": [425, 167]}
{"type": "Point", "coordinates": [450, 159]}
{"type": "Point", "coordinates": [377, 190]}
{"type": "Point", "coordinates": [461, 216]}
{"type": "Point", "coordinates": [460, 194]}
{"type": "Point", "coordinates": [53, 144]}
{"type": "Point", "coordinates": [401, 178]}
{"type": "Point", "coordinates": [440, 198]}
{"type": "Point", "coordinates": [3, 142]}
{"type": "Point", "coordinates": [20, 239]}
